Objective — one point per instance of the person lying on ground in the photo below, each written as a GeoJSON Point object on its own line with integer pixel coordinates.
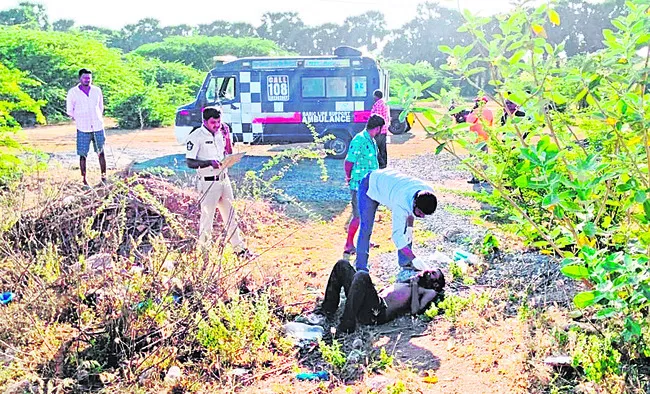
{"type": "Point", "coordinates": [407, 198]}
{"type": "Point", "coordinates": [364, 305]}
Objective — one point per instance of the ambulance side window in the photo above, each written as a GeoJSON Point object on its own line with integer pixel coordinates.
{"type": "Point", "coordinates": [337, 86]}
{"type": "Point", "coordinates": [313, 87]}
{"type": "Point", "coordinates": [359, 86]}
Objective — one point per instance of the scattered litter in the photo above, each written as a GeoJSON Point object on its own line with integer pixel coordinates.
{"type": "Point", "coordinates": [312, 318]}
{"type": "Point", "coordinates": [440, 258]}
{"type": "Point", "coordinates": [461, 255]}
{"type": "Point", "coordinates": [301, 332]}
{"type": "Point", "coordinates": [430, 377]}
{"type": "Point", "coordinates": [6, 297]}
{"type": "Point", "coordinates": [559, 361]}
{"type": "Point", "coordinates": [320, 375]}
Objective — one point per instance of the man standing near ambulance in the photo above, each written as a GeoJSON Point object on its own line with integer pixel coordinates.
{"type": "Point", "coordinates": [207, 147]}
{"type": "Point", "coordinates": [381, 108]}
{"type": "Point", "coordinates": [85, 105]}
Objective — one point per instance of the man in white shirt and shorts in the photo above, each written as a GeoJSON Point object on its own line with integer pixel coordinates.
{"type": "Point", "coordinates": [85, 105]}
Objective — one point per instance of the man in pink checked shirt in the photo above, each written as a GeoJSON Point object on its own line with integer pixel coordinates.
{"type": "Point", "coordinates": [381, 108]}
{"type": "Point", "coordinates": [85, 105]}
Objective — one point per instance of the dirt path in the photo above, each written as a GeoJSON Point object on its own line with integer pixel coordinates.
{"type": "Point", "coordinates": [488, 358]}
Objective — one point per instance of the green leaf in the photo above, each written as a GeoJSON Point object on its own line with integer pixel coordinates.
{"type": "Point", "coordinates": [591, 100]}
{"type": "Point", "coordinates": [582, 94]}
{"type": "Point", "coordinates": [590, 229]}
{"type": "Point", "coordinates": [640, 196]}
{"type": "Point", "coordinates": [605, 313]}
{"type": "Point", "coordinates": [440, 147]}
{"type": "Point", "coordinates": [522, 181]}
{"type": "Point", "coordinates": [584, 299]}
{"type": "Point", "coordinates": [646, 209]}
{"type": "Point", "coordinates": [632, 328]}
{"type": "Point", "coordinates": [550, 199]}
{"type": "Point", "coordinates": [575, 271]}
{"type": "Point", "coordinates": [517, 56]}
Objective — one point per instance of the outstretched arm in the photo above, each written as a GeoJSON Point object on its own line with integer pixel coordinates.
{"type": "Point", "coordinates": [420, 297]}
{"type": "Point", "coordinates": [427, 295]}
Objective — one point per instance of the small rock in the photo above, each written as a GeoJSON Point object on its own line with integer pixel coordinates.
{"type": "Point", "coordinates": [21, 387]}
{"type": "Point", "coordinates": [377, 383]}
{"type": "Point", "coordinates": [355, 356]}
{"type": "Point", "coordinates": [169, 265]}
{"type": "Point", "coordinates": [173, 374]}
{"type": "Point", "coordinates": [99, 262]}
{"type": "Point", "coordinates": [585, 327]}
{"type": "Point", "coordinates": [357, 343]}
{"type": "Point", "coordinates": [559, 361]}
{"type": "Point", "coordinates": [454, 235]}
{"type": "Point", "coordinates": [68, 200]}
{"type": "Point", "coordinates": [239, 372]}
{"type": "Point", "coordinates": [146, 376]}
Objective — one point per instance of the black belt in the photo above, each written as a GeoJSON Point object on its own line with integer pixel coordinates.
{"type": "Point", "coordinates": [215, 178]}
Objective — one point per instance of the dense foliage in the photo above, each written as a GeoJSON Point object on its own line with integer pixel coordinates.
{"type": "Point", "coordinates": [15, 102]}
{"type": "Point", "coordinates": [199, 51]}
{"type": "Point", "coordinates": [575, 171]}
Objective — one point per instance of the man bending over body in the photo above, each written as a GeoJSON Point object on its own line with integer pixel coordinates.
{"type": "Point", "coordinates": [365, 305]}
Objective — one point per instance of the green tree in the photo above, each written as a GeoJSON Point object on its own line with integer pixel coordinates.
{"type": "Point", "coordinates": [27, 14]}
{"type": "Point", "coordinates": [224, 28]}
{"type": "Point", "coordinates": [15, 102]}
{"type": "Point", "coordinates": [55, 58]}
{"type": "Point", "coordinates": [199, 51]}
{"type": "Point", "coordinates": [365, 30]}
{"type": "Point", "coordinates": [62, 25]}
{"type": "Point", "coordinates": [286, 29]}
{"type": "Point", "coordinates": [576, 181]}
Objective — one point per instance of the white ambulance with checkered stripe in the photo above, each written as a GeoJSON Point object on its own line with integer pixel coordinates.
{"type": "Point", "coordinates": [273, 100]}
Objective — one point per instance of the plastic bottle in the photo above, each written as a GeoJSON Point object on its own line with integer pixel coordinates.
{"type": "Point", "coordinates": [320, 375]}
{"type": "Point", "coordinates": [460, 254]}
{"type": "Point", "coordinates": [304, 332]}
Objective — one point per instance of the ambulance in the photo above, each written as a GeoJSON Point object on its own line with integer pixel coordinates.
{"type": "Point", "coordinates": [279, 100]}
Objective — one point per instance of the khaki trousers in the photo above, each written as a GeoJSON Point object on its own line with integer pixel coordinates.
{"type": "Point", "coordinates": [213, 195]}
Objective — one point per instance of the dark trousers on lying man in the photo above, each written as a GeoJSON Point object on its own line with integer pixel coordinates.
{"type": "Point", "coordinates": [362, 304]}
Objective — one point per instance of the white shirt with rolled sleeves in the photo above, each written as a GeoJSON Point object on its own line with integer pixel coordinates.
{"type": "Point", "coordinates": [86, 110]}
{"type": "Point", "coordinates": [203, 145]}
{"type": "Point", "coordinates": [396, 191]}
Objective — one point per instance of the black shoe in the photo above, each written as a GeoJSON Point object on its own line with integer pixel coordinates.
{"type": "Point", "coordinates": [345, 329]}
{"type": "Point", "coordinates": [473, 181]}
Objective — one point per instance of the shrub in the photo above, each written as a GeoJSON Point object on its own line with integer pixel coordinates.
{"type": "Point", "coordinates": [54, 58]}
{"type": "Point", "coordinates": [199, 51]}
{"type": "Point", "coordinates": [242, 332]}
{"type": "Point", "coordinates": [401, 74]}
{"type": "Point", "coordinates": [576, 180]}
{"type": "Point", "coordinates": [15, 159]}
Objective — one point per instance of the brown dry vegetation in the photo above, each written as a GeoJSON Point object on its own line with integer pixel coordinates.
{"type": "Point", "coordinates": [74, 328]}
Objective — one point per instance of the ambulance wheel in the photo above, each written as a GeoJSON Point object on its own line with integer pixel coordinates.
{"type": "Point", "coordinates": [396, 127]}
{"type": "Point", "coordinates": [339, 145]}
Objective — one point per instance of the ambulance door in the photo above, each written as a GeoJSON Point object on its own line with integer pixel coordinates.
{"type": "Point", "coordinates": [223, 92]}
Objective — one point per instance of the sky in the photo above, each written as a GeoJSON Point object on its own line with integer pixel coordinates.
{"type": "Point", "coordinates": [115, 14]}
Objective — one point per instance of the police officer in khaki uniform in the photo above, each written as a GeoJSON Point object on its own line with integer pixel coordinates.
{"type": "Point", "coordinates": [206, 149]}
